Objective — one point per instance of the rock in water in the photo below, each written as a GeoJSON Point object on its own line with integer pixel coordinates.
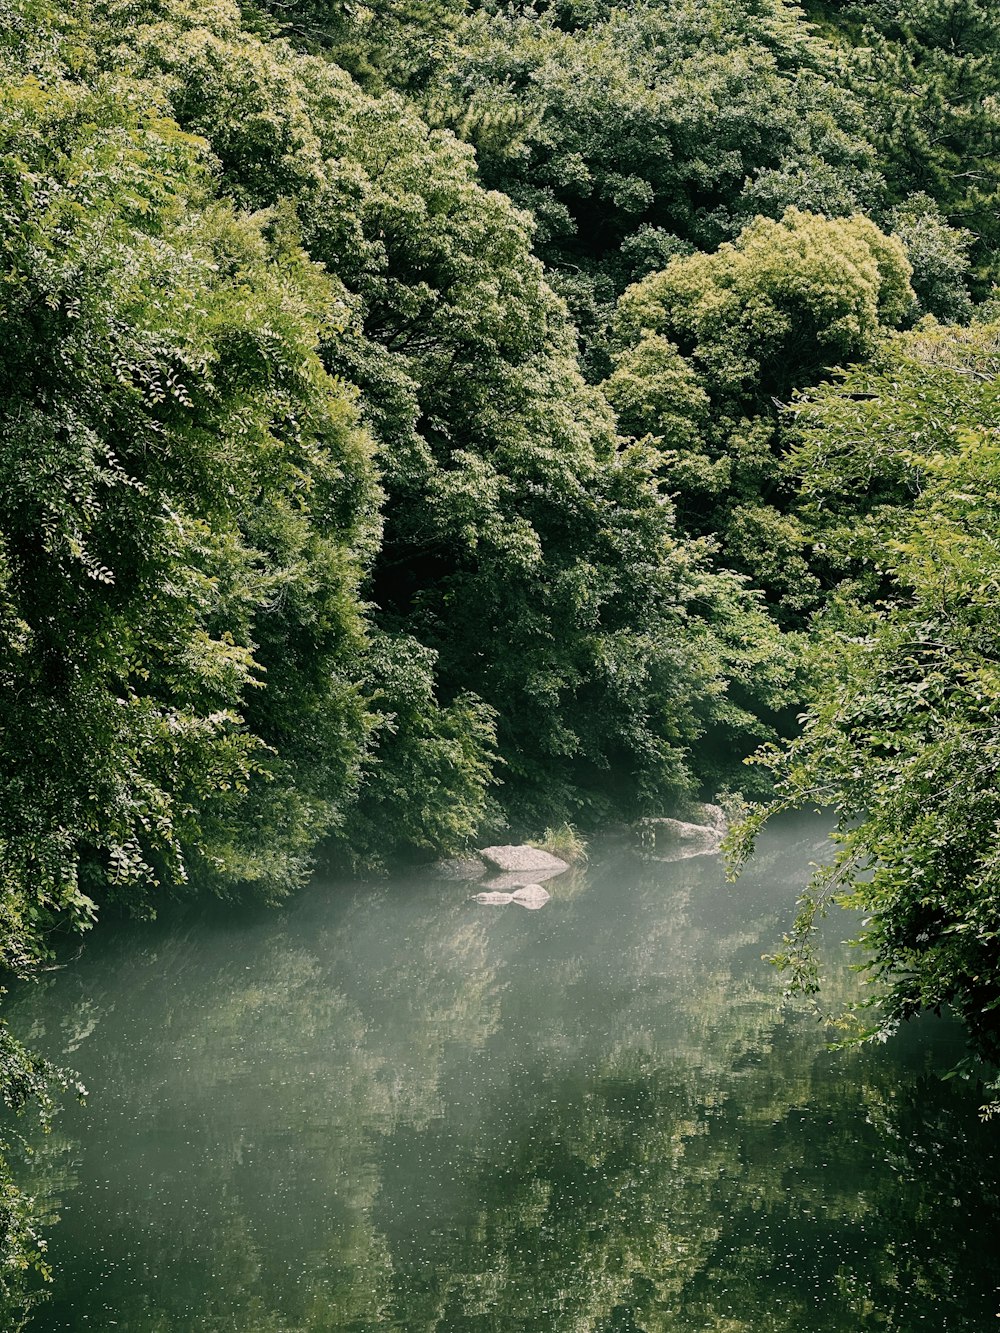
{"type": "Point", "coordinates": [682, 839]}
{"type": "Point", "coordinates": [522, 858]}
{"type": "Point", "coordinates": [531, 896]}
{"type": "Point", "coordinates": [682, 852]}
{"type": "Point", "coordinates": [677, 830]}
{"type": "Point", "coordinates": [517, 879]}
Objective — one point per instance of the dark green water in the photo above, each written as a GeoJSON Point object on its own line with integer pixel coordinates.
{"type": "Point", "coordinates": [391, 1108]}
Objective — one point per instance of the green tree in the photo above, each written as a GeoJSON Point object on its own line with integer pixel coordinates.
{"type": "Point", "coordinates": [532, 557]}
{"type": "Point", "coordinates": [939, 257]}
{"type": "Point", "coordinates": [634, 134]}
{"type": "Point", "coordinates": [187, 503]}
{"type": "Point", "coordinates": [857, 444]}
{"type": "Point", "coordinates": [927, 72]}
{"type": "Point", "coordinates": [709, 350]}
{"type": "Point", "coordinates": [901, 737]}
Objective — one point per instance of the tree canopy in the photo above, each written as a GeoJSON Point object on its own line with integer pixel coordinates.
{"type": "Point", "coordinates": [422, 422]}
{"type": "Point", "coordinates": [709, 351]}
{"type": "Point", "coordinates": [900, 736]}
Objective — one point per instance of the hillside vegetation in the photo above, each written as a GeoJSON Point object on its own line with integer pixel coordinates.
{"type": "Point", "coordinates": [423, 421]}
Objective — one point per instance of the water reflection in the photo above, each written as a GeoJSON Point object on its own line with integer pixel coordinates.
{"type": "Point", "coordinates": [396, 1109]}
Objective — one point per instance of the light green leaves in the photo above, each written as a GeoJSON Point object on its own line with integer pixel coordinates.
{"type": "Point", "coordinates": [902, 737]}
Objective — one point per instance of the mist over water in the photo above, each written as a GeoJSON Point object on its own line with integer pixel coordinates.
{"type": "Point", "coordinates": [392, 1108]}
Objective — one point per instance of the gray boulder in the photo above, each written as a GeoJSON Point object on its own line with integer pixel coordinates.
{"type": "Point", "coordinates": [531, 896]}
{"type": "Point", "coordinates": [680, 838]}
{"type": "Point", "coordinates": [514, 879]}
{"type": "Point", "coordinates": [510, 859]}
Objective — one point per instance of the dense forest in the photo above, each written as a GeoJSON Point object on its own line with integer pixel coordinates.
{"type": "Point", "coordinates": [427, 420]}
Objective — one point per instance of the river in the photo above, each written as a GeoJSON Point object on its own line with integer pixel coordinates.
{"type": "Point", "coordinates": [391, 1108]}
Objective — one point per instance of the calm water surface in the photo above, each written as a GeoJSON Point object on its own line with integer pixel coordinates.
{"type": "Point", "coordinates": [391, 1108]}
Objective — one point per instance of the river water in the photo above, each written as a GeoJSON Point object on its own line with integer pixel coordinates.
{"type": "Point", "coordinates": [391, 1108]}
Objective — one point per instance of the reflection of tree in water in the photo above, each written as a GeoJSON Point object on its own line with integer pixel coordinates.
{"type": "Point", "coordinates": [250, 1076]}
{"type": "Point", "coordinates": [587, 1203]}
{"type": "Point", "coordinates": [617, 1209]}
{"type": "Point", "coordinates": [401, 1111]}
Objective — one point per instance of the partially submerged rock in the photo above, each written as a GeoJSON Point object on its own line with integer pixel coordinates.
{"type": "Point", "coordinates": [514, 879]}
{"type": "Point", "coordinates": [523, 857]}
{"type": "Point", "coordinates": [531, 896]}
{"type": "Point", "coordinates": [681, 838]}
{"type": "Point", "coordinates": [681, 852]}
{"type": "Point", "coordinates": [677, 830]}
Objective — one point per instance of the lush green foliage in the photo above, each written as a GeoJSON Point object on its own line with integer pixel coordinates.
{"type": "Point", "coordinates": [901, 738]}
{"type": "Point", "coordinates": [608, 127]}
{"type": "Point", "coordinates": [634, 134]}
{"type": "Point", "coordinates": [926, 72]}
{"type": "Point", "coordinates": [187, 493]}
{"type": "Point", "coordinates": [710, 349]}
{"type": "Point", "coordinates": [638, 133]}
{"type": "Point", "coordinates": [231, 276]}
{"type": "Point", "coordinates": [530, 554]}
{"type": "Point", "coordinates": [319, 529]}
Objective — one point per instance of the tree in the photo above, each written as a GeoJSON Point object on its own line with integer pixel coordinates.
{"type": "Point", "coordinates": [710, 349]}
{"type": "Point", "coordinates": [525, 559]}
{"type": "Point", "coordinates": [939, 257]}
{"type": "Point", "coordinates": [187, 501]}
{"type": "Point", "coordinates": [901, 739]}
{"type": "Point", "coordinates": [629, 134]}
{"type": "Point", "coordinates": [926, 71]}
